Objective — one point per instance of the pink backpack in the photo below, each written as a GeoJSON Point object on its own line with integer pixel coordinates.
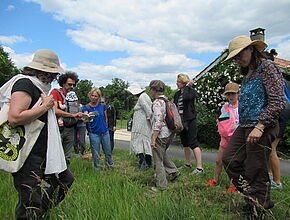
{"type": "Point", "coordinates": [227, 121]}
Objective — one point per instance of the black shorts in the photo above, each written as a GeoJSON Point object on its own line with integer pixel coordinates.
{"type": "Point", "coordinates": [188, 135]}
{"type": "Point", "coordinates": [283, 120]}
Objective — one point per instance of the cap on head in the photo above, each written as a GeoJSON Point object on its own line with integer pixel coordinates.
{"type": "Point", "coordinates": [232, 87]}
{"type": "Point", "coordinates": [46, 61]}
{"type": "Point", "coordinates": [239, 43]}
{"type": "Point", "coordinates": [158, 85]}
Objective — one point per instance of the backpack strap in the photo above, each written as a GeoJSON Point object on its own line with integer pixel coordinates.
{"type": "Point", "coordinates": [164, 99]}
{"type": "Point", "coordinates": [63, 97]}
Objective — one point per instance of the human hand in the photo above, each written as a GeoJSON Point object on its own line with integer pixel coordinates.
{"type": "Point", "coordinates": [47, 101]}
{"type": "Point", "coordinates": [254, 136]}
{"type": "Point", "coordinates": [114, 128]}
{"type": "Point", "coordinates": [190, 83]}
{"type": "Point", "coordinates": [153, 144]}
{"type": "Point", "coordinates": [78, 115]}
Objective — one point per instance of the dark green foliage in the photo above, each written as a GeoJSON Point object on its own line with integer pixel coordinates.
{"type": "Point", "coordinates": [82, 89]}
{"type": "Point", "coordinates": [7, 67]}
{"type": "Point", "coordinates": [118, 97]}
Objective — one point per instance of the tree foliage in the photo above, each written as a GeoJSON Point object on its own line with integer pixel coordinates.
{"type": "Point", "coordinates": [82, 89]}
{"type": "Point", "coordinates": [7, 67]}
{"type": "Point", "coordinates": [118, 97]}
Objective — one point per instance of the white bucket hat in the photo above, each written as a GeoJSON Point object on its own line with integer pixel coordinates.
{"type": "Point", "coordinates": [135, 89]}
{"type": "Point", "coordinates": [45, 60]}
{"type": "Point", "coordinates": [239, 43]}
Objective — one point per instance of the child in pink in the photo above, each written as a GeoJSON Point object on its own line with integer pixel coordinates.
{"type": "Point", "coordinates": [227, 123]}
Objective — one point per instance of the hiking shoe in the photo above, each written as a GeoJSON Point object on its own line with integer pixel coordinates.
{"type": "Point", "coordinates": [232, 189]}
{"type": "Point", "coordinates": [211, 183]}
{"type": "Point", "coordinates": [156, 190]}
{"type": "Point", "coordinates": [197, 171]}
{"type": "Point", "coordinates": [185, 166]}
{"type": "Point", "coordinates": [276, 186]}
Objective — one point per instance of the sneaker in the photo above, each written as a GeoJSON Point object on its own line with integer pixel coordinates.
{"type": "Point", "coordinates": [197, 171]}
{"type": "Point", "coordinates": [185, 166]}
{"type": "Point", "coordinates": [232, 189]}
{"type": "Point", "coordinates": [276, 186]}
{"type": "Point", "coordinates": [156, 190]}
{"type": "Point", "coordinates": [211, 183]}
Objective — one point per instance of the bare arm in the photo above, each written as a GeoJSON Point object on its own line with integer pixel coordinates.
{"type": "Point", "coordinates": [19, 114]}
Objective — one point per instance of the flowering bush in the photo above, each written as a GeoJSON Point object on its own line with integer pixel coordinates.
{"type": "Point", "coordinates": [210, 99]}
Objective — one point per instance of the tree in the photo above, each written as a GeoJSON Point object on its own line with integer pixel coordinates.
{"type": "Point", "coordinates": [118, 97]}
{"type": "Point", "coordinates": [7, 67]}
{"type": "Point", "coordinates": [82, 89]}
{"type": "Point", "coordinates": [169, 93]}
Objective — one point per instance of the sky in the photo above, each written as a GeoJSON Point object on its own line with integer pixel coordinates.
{"type": "Point", "coordinates": [137, 40]}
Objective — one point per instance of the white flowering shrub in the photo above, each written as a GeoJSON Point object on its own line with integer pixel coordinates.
{"type": "Point", "coordinates": [210, 99]}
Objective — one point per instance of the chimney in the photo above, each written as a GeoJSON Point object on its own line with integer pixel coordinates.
{"type": "Point", "coordinates": [257, 34]}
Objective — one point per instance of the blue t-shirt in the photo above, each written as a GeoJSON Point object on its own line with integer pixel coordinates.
{"type": "Point", "coordinates": [98, 124]}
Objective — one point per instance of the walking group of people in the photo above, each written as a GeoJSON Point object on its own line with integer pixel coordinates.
{"type": "Point", "coordinates": [252, 111]}
{"type": "Point", "coordinates": [248, 126]}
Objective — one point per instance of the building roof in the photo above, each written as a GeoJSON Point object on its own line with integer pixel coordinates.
{"type": "Point", "coordinates": [285, 64]}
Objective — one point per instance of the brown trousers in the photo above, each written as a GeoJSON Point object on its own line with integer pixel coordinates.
{"type": "Point", "coordinates": [246, 164]}
{"type": "Point", "coordinates": [163, 164]}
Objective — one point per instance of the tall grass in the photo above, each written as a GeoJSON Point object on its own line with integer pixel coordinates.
{"type": "Point", "coordinates": [124, 193]}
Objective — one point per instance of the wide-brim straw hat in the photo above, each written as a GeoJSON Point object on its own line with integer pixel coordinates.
{"type": "Point", "coordinates": [135, 89]}
{"type": "Point", "coordinates": [46, 61]}
{"type": "Point", "coordinates": [239, 43]}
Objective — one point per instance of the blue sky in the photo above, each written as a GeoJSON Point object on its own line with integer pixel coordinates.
{"type": "Point", "coordinates": [137, 41]}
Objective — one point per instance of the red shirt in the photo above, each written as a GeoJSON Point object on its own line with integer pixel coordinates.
{"type": "Point", "coordinates": [57, 96]}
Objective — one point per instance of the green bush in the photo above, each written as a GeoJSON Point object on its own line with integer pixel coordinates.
{"type": "Point", "coordinates": [207, 126]}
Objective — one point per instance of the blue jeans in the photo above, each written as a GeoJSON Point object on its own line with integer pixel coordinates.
{"type": "Point", "coordinates": [95, 141]}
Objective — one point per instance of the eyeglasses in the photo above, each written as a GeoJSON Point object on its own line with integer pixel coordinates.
{"type": "Point", "coordinates": [103, 102]}
{"type": "Point", "coordinates": [72, 84]}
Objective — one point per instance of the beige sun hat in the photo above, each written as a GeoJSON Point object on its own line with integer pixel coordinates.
{"type": "Point", "coordinates": [45, 60]}
{"type": "Point", "coordinates": [239, 43]}
{"type": "Point", "coordinates": [231, 87]}
{"type": "Point", "coordinates": [135, 89]}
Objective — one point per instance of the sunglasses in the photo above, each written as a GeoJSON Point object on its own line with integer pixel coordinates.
{"type": "Point", "coordinates": [72, 84]}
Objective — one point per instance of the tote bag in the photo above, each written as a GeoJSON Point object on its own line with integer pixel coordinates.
{"type": "Point", "coordinates": [16, 142]}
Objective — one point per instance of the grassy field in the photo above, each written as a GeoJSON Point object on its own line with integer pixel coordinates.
{"type": "Point", "coordinates": [124, 193]}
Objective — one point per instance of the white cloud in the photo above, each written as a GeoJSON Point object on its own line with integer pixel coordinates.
{"type": "Point", "coordinates": [283, 49]}
{"type": "Point", "coordinates": [10, 8]}
{"type": "Point", "coordinates": [20, 60]}
{"type": "Point", "coordinates": [156, 34]}
{"type": "Point", "coordinates": [11, 39]}
{"type": "Point", "coordinates": [174, 26]}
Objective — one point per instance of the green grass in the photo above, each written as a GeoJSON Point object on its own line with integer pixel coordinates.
{"type": "Point", "coordinates": [121, 124]}
{"type": "Point", "coordinates": [124, 193]}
